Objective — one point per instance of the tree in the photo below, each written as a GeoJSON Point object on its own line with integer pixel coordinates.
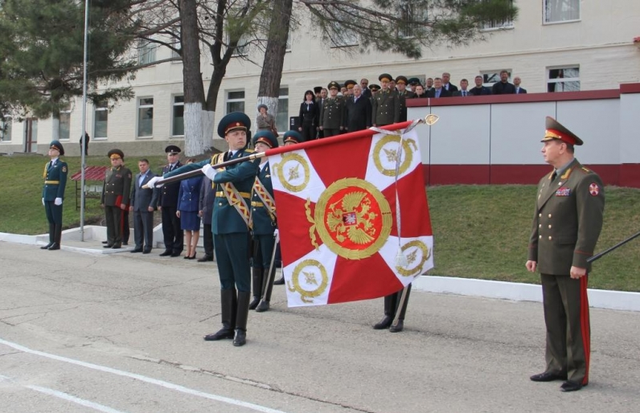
{"type": "Point", "coordinates": [41, 69]}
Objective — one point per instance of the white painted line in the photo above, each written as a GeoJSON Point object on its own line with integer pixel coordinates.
{"type": "Point", "coordinates": [142, 378]}
{"type": "Point", "coordinates": [65, 396]}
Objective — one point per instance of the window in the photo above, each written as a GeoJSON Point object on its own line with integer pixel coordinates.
{"type": "Point", "coordinates": [146, 52]}
{"type": "Point", "coordinates": [145, 117]}
{"type": "Point", "coordinates": [64, 125]}
{"type": "Point", "coordinates": [282, 118]}
{"type": "Point", "coordinates": [492, 76]}
{"type": "Point", "coordinates": [100, 118]}
{"type": "Point", "coordinates": [561, 10]}
{"type": "Point", "coordinates": [564, 79]}
{"type": "Point", "coordinates": [5, 129]}
{"type": "Point", "coordinates": [235, 101]}
{"type": "Point", "coordinates": [178, 116]}
{"type": "Point", "coordinates": [242, 49]}
{"type": "Point", "coordinates": [176, 55]}
{"type": "Point", "coordinates": [499, 24]}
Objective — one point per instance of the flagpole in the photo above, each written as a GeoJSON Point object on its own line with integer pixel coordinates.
{"type": "Point", "coordinates": [83, 130]}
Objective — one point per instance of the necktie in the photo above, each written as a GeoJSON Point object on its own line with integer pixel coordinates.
{"type": "Point", "coordinates": [554, 175]}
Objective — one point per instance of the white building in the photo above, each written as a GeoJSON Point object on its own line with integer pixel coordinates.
{"type": "Point", "coordinates": [586, 46]}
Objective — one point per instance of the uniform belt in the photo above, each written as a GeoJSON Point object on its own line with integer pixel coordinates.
{"type": "Point", "coordinates": [257, 204]}
{"type": "Point", "coordinates": [52, 182]}
{"type": "Point", "coordinates": [220, 194]}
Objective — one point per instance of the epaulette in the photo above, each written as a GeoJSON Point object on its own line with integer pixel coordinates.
{"type": "Point", "coordinates": [249, 150]}
{"type": "Point", "coordinates": [586, 170]}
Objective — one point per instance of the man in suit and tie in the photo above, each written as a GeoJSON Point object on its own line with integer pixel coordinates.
{"type": "Point", "coordinates": [464, 84]}
{"type": "Point", "coordinates": [364, 86]}
{"type": "Point", "coordinates": [144, 201]}
{"type": "Point", "coordinates": [516, 84]}
{"type": "Point", "coordinates": [438, 91]}
{"type": "Point", "coordinates": [168, 204]}
{"type": "Point", "coordinates": [446, 77]}
{"type": "Point", "coordinates": [55, 182]}
{"type": "Point", "coordinates": [358, 111]}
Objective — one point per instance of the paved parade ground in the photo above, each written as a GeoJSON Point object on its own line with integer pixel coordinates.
{"type": "Point", "coordinates": [123, 332]}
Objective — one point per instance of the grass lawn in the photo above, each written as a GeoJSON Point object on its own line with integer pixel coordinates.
{"type": "Point", "coordinates": [479, 231]}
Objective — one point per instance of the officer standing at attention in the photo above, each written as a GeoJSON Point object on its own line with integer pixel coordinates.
{"type": "Point", "coordinates": [55, 182]}
{"type": "Point", "coordinates": [171, 229]}
{"type": "Point", "coordinates": [566, 225]}
{"type": "Point", "coordinates": [386, 104]}
{"type": "Point", "coordinates": [403, 95]}
{"type": "Point", "coordinates": [115, 197]}
{"type": "Point", "coordinates": [263, 217]}
{"type": "Point", "coordinates": [332, 112]}
{"type": "Point", "coordinates": [230, 224]}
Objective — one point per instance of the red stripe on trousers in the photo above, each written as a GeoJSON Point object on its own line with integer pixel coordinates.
{"type": "Point", "coordinates": [584, 322]}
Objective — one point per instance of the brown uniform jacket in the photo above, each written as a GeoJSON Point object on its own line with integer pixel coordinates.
{"type": "Point", "coordinates": [567, 220]}
{"type": "Point", "coordinates": [116, 187]}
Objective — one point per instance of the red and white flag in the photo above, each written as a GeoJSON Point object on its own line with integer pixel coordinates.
{"type": "Point", "coordinates": [350, 228]}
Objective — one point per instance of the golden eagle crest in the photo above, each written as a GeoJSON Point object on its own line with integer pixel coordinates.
{"type": "Point", "coordinates": [351, 217]}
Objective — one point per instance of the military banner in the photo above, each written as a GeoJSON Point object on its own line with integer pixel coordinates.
{"type": "Point", "coordinates": [352, 215]}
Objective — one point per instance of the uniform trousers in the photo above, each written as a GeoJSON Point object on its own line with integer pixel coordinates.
{"type": "Point", "coordinates": [53, 212]}
{"type": "Point", "coordinates": [232, 256]}
{"type": "Point", "coordinates": [331, 132]}
{"type": "Point", "coordinates": [143, 229]}
{"type": "Point", "coordinates": [171, 231]}
{"type": "Point", "coordinates": [566, 315]}
{"type": "Point", "coordinates": [207, 240]}
{"type": "Point", "coordinates": [113, 218]}
{"type": "Point", "coordinates": [264, 252]}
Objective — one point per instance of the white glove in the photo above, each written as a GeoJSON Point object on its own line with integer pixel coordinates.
{"type": "Point", "coordinates": [42, 201]}
{"type": "Point", "coordinates": [58, 201]}
{"type": "Point", "coordinates": [276, 234]}
{"type": "Point", "coordinates": [209, 171]}
{"type": "Point", "coordinates": [152, 182]}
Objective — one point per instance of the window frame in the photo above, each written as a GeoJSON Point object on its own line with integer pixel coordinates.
{"type": "Point", "coordinates": [229, 100]}
{"type": "Point", "coordinates": [6, 129]}
{"type": "Point", "coordinates": [67, 114]}
{"type": "Point", "coordinates": [175, 104]}
{"type": "Point", "coordinates": [545, 14]}
{"type": "Point", "coordinates": [100, 107]}
{"type": "Point", "coordinates": [496, 73]}
{"type": "Point", "coordinates": [146, 52]}
{"type": "Point", "coordinates": [550, 80]}
{"type": "Point", "coordinates": [140, 106]}
{"type": "Point", "coordinates": [283, 116]}
{"type": "Point", "coordinates": [503, 25]}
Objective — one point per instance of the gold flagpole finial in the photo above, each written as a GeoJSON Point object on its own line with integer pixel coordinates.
{"type": "Point", "coordinates": [431, 119]}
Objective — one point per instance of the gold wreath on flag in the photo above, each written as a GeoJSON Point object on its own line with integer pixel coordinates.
{"type": "Point", "coordinates": [314, 274]}
{"type": "Point", "coordinates": [291, 169]}
{"type": "Point", "coordinates": [390, 153]}
{"type": "Point", "coordinates": [418, 254]}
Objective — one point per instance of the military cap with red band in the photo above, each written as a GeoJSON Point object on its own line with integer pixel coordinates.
{"type": "Point", "coordinates": [555, 131]}
{"type": "Point", "coordinates": [233, 121]}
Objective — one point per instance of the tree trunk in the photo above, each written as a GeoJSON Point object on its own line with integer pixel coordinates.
{"type": "Point", "coordinates": [196, 142]}
{"type": "Point", "coordinates": [269, 89]}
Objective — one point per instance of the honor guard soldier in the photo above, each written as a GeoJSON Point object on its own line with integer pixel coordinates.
{"type": "Point", "coordinates": [386, 104]}
{"type": "Point", "coordinates": [403, 95]}
{"type": "Point", "coordinates": [566, 225]}
{"type": "Point", "coordinates": [55, 182]}
{"type": "Point", "coordinates": [115, 197]}
{"type": "Point", "coordinates": [171, 230]}
{"type": "Point", "coordinates": [264, 224]}
{"type": "Point", "coordinates": [230, 224]}
{"type": "Point", "coordinates": [332, 112]}
{"type": "Point", "coordinates": [291, 138]}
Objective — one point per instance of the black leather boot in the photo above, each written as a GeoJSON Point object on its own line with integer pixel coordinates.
{"type": "Point", "coordinates": [242, 314]}
{"type": "Point", "coordinates": [52, 231]}
{"type": "Point", "coordinates": [264, 304]}
{"type": "Point", "coordinates": [56, 238]}
{"type": "Point", "coordinates": [228, 301]}
{"type": "Point", "coordinates": [389, 311]}
{"type": "Point", "coordinates": [257, 287]}
{"type": "Point", "coordinates": [396, 328]}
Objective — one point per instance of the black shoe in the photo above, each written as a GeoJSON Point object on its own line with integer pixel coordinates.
{"type": "Point", "coordinates": [146, 251]}
{"type": "Point", "coordinates": [54, 246]}
{"type": "Point", "coordinates": [262, 307]}
{"type": "Point", "coordinates": [397, 328]}
{"type": "Point", "coordinates": [136, 250]}
{"type": "Point", "coordinates": [220, 335]}
{"type": "Point", "coordinates": [186, 257]}
{"type": "Point", "coordinates": [205, 258]}
{"type": "Point", "coordinates": [46, 247]}
{"type": "Point", "coordinates": [116, 246]}
{"type": "Point", "coordinates": [166, 253]}
{"type": "Point", "coordinates": [253, 304]}
{"type": "Point", "coordinates": [384, 323]}
{"type": "Point", "coordinates": [175, 254]}
{"type": "Point", "coordinates": [279, 281]}
{"type": "Point", "coordinates": [548, 376]}
{"type": "Point", "coordinates": [570, 385]}
{"type": "Point", "coordinates": [240, 339]}
{"type": "Point", "coordinates": [105, 242]}
{"type": "Point", "coordinates": [108, 246]}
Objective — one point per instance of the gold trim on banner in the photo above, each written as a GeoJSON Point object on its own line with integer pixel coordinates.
{"type": "Point", "coordinates": [412, 257]}
{"type": "Point", "coordinates": [310, 278]}
{"type": "Point", "coordinates": [293, 171]}
{"type": "Point", "coordinates": [392, 154]}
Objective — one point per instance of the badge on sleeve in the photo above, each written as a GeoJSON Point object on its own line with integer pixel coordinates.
{"type": "Point", "coordinates": [594, 189]}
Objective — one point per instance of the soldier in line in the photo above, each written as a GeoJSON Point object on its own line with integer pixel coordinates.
{"type": "Point", "coordinates": [566, 225]}
{"type": "Point", "coordinates": [168, 204]}
{"type": "Point", "coordinates": [230, 224]}
{"type": "Point", "coordinates": [386, 104]}
{"type": "Point", "coordinates": [55, 182]}
{"type": "Point", "coordinates": [332, 112]}
{"type": "Point", "coordinates": [403, 95]}
{"type": "Point", "coordinates": [264, 220]}
{"type": "Point", "coordinates": [115, 197]}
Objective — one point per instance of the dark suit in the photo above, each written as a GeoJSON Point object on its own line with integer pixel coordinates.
{"type": "Point", "coordinates": [55, 182]}
{"type": "Point", "coordinates": [480, 91]}
{"type": "Point", "coordinates": [450, 88]}
{"type": "Point", "coordinates": [308, 118]}
{"type": "Point", "coordinates": [141, 200]}
{"type": "Point", "coordinates": [520, 90]}
{"type": "Point", "coordinates": [358, 114]}
{"type": "Point", "coordinates": [116, 190]}
{"type": "Point", "coordinates": [385, 108]}
{"type": "Point", "coordinates": [171, 231]}
{"type": "Point", "coordinates": [566, 225]}
{"type": "Point", "coordinates": [501, 88]}
{"type": "Point", "coordinates": [462, 93]}
{"type": "Point", "coordinates": [444, 93]}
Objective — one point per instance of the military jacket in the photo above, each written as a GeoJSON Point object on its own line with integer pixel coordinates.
{"type": "Point", "coordinates": [169, 193]}
{"type": "Point", "coordinates": [567, 220]}
{"type": "Point", "coordinates": [116, 188]}
{"type": "Point", "coordinates": [402, 98]}
{"type": "Point", "coordinates": [386, 107]}
{"type": "Point", "coordinates": [189, 195]}
{"type": "Point", "coordinates": [264, 219]}
{"type": "Point", "coordinates": [332, 113]}
{"type": "Point", "coordinates": [55, 180]}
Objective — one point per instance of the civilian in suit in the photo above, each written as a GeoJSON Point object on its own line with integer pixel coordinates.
{"type": "Point", "coordinates": [168, 204]}
{"type": "Point", "coordinates": [403, 95]}
{"type": "Point", "coordinates": [503, 87]}
{"type": "Point", "coordinates": [207, 196]}
{"type": "Point", "coordinates": [358, 111]}
{"type": "Point", "coordinates": [428, 84]}
{"type": "Point", "coordinates": [479, 89]}
{"type": "Point", "coordinates": [516, 85]}
{"type": "Point", "coordinates": [464, 84]}
{"type": "Point", "coordinates": [364, 86]}
{"type": "Point", "coordinates": [188, 212]}
{"type": "Point", "coordinates": [116, 191]}
{"type": "Point", "coordinates": [309, 116]}
{"type": "Point", "coordinates": [385, 103]}
{"type": "Point", "coordinates": [438, 91]}
{"type": "Point", "coordinates": [446, 78]}
{"type": "Point", "coordinates": [55, 182]}
{"type": "Point", "coordinates": [567, 222]}
{"type": "Point", "coordinates": [144, 201]}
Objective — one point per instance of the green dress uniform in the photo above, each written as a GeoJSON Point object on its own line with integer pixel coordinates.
{"type": "Point", "coordinates": [402, 100]}
{"type": "Point", "coordinates": [385, 107]}
{"type": "Point", "coordinates": [332, 115]}
{"type": "Point", "coordinates": [566, 225]}
{"type": "Point", "coordinates": [55, 181]}
{"type": "Point", "coordinates": [116, 190]}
